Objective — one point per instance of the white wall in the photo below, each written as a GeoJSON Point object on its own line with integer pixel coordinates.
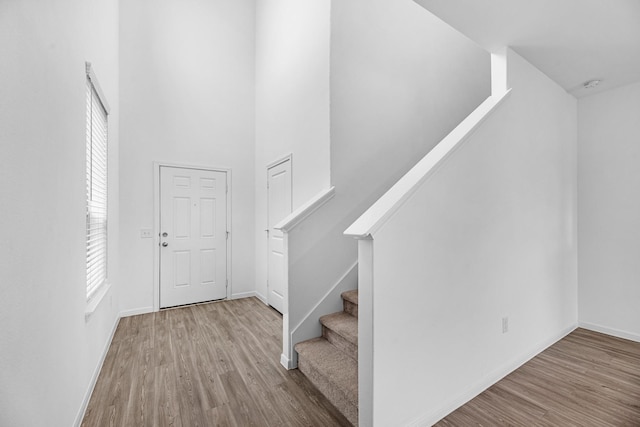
{"type": "Point", "coordinates": [187, 97]}
{"type": "Point", "coordinates": [491, 234]}
{"type": "Point", "coordinates": [292, 104]}
{"type": "Point", "coordinates": [609, 211]}
{"type": "Point", "coordinates": [400, 80]}
{"type": "Point", "coordinates": [48, 352]}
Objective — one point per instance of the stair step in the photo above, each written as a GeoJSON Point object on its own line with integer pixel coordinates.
{"type": "Point", "coordinates": [332, 372]}
{"type": "Point", "coordinates": [350, 302]}
{"type": "Point", "coordinates": [351, 296]}
{"type": "Point", "coordinates": [341, 330]}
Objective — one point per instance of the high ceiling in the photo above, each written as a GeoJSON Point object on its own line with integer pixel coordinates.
{"type": "Point", "coordinates": [571, 41]}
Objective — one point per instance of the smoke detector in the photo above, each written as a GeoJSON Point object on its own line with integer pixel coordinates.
{"type": "Point", "coordinates": [591, 84]}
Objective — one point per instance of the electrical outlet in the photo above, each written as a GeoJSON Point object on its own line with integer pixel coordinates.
{"type": "Point", "coordinates": [146, 233]}
{"type": "Point", "coordinates": [505, 325]}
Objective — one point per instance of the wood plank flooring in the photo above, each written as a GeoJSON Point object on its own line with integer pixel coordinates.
{"type": "Point", "coordinates": [213, 364]}
{"type": "Point", "coordinates": [217, 364]}
{"type": "Point", "coordinates": [585, 379]}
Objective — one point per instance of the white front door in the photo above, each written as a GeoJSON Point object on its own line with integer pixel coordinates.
{"type": "Point", "coordinates": [193, 235]}
{"type": "Point", "coordinates": [278, 206]}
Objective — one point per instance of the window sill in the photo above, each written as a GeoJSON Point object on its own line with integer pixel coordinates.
{"type": "Point", "coordinates": [95, 300]}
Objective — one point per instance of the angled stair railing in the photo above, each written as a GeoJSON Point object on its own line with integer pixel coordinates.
{"type": "Point", "coordinates": [482, 227]}
{"type": "Point", "coordinates": [369, 223]}
{"type": "Point", "coordinates": [318, 338]}
{"type": "Point", "coordinates": [305, 300]}
{"type": "Point", "coordinates": [287, 225]}
{"type": "Point", "coordinates": [333, 361]}
{"type": "Point", "coordinates": [390, 202]}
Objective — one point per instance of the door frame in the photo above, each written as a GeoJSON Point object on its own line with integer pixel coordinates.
{"type": "Point", "coordinates": [289, 158]}
{"type": "Point", "coordinates": [156, 224]}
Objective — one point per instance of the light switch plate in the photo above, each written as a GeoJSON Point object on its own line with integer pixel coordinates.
{"type": "Point", "coordinates": [146, 233]}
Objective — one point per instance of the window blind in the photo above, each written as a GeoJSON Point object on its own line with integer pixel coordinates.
{"type": "Point", "coordinates": [96, 214]}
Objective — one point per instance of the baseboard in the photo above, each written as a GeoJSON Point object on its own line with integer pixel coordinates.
{"type": "Point", "coordinates": [286, 362]}
{"type": "Point", "coordinates": [249, 295]}
{"type": "Point", "coordinates": [492, 378]}
{"type": "Point", "coordinates": [136, 311]}
{"type": "Point", "coordinates": [610, 331]}
{"type": "Point", "coordinates": [262, 298]}
{"type": "Point", "coordinates": [94, 377]}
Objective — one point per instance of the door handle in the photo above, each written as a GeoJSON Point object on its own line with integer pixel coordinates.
{"type": "Point", "coordinates": [165, 244]}
{"type": "Point", "coordinates": [165, 234]}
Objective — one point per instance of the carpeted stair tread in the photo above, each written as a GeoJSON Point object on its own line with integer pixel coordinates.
{"type": "Point", "coordinates": [342, 323]}
{"type": "Point", "coordinates": [332, 367]}
{"type": "Point", "coordinates": [351, 296]}
{"type": "Point", "coordinates": [331, 361]}
{"type": "Point", "coordinates": [350, 302]}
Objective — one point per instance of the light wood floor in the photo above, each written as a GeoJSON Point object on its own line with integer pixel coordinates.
{"type": "Point", "coordinates": [585, 379]}
{"type": "Point", "coordinates": [213, 364]}
{"type": "Point", "coordinates": [217, 364]}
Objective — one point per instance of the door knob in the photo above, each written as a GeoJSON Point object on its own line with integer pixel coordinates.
{"type": "Point", "coordinates": [165, 244]}
{"type": "Point", "coordinates": [165, 234]}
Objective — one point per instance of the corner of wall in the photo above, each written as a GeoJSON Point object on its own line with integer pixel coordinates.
{"type": "Point", "coordinates": [96, 373]}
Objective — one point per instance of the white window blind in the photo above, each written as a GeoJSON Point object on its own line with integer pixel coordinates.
{"type": "Point", "coordinates": [96, 185]}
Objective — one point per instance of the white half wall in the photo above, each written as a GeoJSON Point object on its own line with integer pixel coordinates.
{"type": "Point", "coordinates": [187, 97]}
{"type": "Point", "coordinates": [491, 234]}
{"type": "Point", "coordinates": [292, 105]}
{"type": "Point", "coordinates": [609, 211]}
{"type": "Point", "coordinates": [49, 354]}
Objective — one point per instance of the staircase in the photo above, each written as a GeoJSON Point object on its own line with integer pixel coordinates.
{"type": "Point", "coordinates": [331, 361]}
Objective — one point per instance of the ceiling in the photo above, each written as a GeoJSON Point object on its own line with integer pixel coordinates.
{"type": "Point", "coordinates": [571, 41]}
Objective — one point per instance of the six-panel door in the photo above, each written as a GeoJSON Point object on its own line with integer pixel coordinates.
{"type": "Point", "coordinates": [193, 233]}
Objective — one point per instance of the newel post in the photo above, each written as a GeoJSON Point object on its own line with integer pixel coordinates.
{"type": "Point", "coordinates": [365, 331]}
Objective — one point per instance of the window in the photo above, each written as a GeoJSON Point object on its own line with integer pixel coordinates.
{"type": "Point", "coordinates": [97, 138]}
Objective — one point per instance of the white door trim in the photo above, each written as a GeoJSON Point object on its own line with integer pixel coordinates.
{"type": "Point", "coordinates": [156, 224]}
{"type": "Point", "coordinates": [282, 160]}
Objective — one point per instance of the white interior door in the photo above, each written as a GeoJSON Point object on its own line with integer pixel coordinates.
{"type": "Point", "coordinates": [193, 236]}
{"type": "Point", "coordinates": [278, 206]}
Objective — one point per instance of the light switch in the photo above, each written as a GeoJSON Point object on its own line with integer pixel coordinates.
{"type": "Point", "coordinates": [146, 233]}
